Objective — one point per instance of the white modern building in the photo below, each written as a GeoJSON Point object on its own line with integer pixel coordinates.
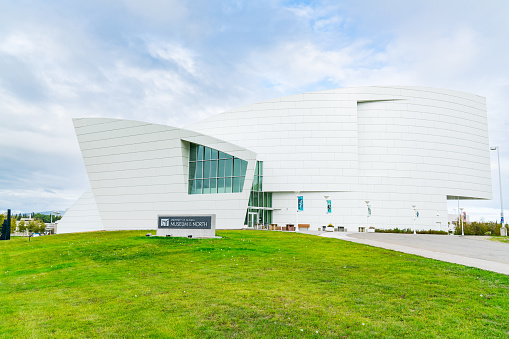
{"type": "Point", "coordinates": [396, 147]}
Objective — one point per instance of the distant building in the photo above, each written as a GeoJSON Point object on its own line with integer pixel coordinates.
{"type": "Point", "coordinates": [395, 147]}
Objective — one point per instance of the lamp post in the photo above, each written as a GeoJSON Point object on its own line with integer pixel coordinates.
{"type": "Point", "coordinates": [413, 206]}
{"type": "Point", "coordinates": [368, 212]}
{"type": "Point", "coordinates": [297, 213]}
{"type": "Point", "coordinates": [502, 229]}
{"type": "Point", "coordinates": [461, 221]}
{"type": "Point", "coordinates": [326, 209]}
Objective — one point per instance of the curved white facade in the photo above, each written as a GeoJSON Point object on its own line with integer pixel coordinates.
{"type": "Point", "coordinates": [393, 146]}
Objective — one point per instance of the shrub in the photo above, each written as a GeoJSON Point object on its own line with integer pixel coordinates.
{"type": "Point", "coordinates": [479, 228]}
{"type": "Point", "coordinates": [395, 230]}
{"type": "Point", "coordinates": [409, 231]}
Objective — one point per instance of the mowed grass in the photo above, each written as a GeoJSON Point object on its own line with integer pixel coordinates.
{"type": "Point", "coordinates": [501, 239]}
{"type": "Point", "coordinates": [247, 284]}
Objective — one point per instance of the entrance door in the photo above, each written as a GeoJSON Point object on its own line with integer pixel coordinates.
{"type": "Point", "coordinates": [252, 219]}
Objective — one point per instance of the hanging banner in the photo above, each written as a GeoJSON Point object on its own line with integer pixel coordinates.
{"type": "Point", "coordinates": [329, 206]}
{"type": "Point", "coordinates": [300, 203]}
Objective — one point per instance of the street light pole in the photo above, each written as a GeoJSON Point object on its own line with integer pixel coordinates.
{"type": "Point", "coordinates": [461, 221]}
{"type": "Point", "coordinates": [501, 199]}
{"type": "Point", "coordinates": [414, 218]}
{"type": "Point", "coordinates": [367, 215]}
{"type": "Point", "coordinates": [296, 228]}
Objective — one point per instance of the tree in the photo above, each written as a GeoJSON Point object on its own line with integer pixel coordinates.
{"type": "Point", "coordinates": [22, 227]}
{"type": "Point", "coordinates": [31, 226]}
{"type": "Point", "coordinates": [14, 224]}
{"type": "Point", "coordinates": [41, 227]}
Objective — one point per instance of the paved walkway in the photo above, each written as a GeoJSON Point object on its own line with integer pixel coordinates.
{"type": "Point", "coordinates": [473, 251]}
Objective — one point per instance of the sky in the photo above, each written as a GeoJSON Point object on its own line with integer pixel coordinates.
{"type": "Point", "coordinates": [176, 62]}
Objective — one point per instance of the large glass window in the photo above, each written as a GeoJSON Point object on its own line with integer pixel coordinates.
{"type": "Point", "coordinates": [212, 171]}
{"type": "Point", "coordinates": [260, 203]}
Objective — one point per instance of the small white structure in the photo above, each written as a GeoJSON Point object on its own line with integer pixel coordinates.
{"type": "Point", "coordinates": [393, 146]}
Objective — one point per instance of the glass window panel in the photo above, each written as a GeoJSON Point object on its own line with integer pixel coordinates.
{"type": "Point", "coordinates": [199, 170]}
{"type": "Point", "coordinates": [222, 155]}
{"type": "Point", "coordinates": [213, 185]}
{"type": "Point", "coordinates": [228, 168]}
{"type": "Point", "coordinates": [260, 183]}
{"type": "Point", "coordinates": [213, 168]}
{"type": "Point", "coordinates": [198, 185]}
{"type": "Point", "coordinates": [192, 152]}
{"type": "Point", "coordinates": [192, 169]}
{"type": "Point", "coordinates": [250, 203]}
{"type": "Point", "coordinates": [255, 199]}
{"type": "Point", "coordinates": [206, 187]}
{"type": "Point", "coordinates": [241, 184]}
{"type": "Point", "coordinates": [220, 169]}
{"type": "Point", "coordinates": [206, 169]}
{"type": "Point", "coordinates": [228, 156]}
{"type": "Point", "coordinates": [260, 168]}
{"type": "Point", "coordinates": [244, 168]}
{"type": "Point", "coordinates": [227, 185]}
{"type": "Point", "coordinates": [220, 185]}
{"type": "Point", "coordinates": [190, 187]}
{"type": "Point", "coordinates": [214, 154]}
{"type": "Point", "coordinates": [236, 167]}
{"type": "Point", "coordinates": [236, 184]}
{"type": "Point", "coordinates": [270, 199]}
{"type": "Point", "coordinates": [260, 199]}
{"type": "Point", "coordinates": [207, 153]}
{"type": "Point", "coordinates": [255, 183]}
{"type": "Point", "coordinates": [199, 155]}
{"type": "Point", "coordinates": [256, 168]}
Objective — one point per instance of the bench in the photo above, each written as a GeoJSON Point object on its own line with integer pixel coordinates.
{"type": "Point", "coordinates": [304, 226]}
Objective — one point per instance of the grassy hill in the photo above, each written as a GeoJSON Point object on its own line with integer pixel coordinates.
{"type": "Point", "coordinates": [247, 284]}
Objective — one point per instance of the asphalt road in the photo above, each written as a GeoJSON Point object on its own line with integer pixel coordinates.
{"type": "Point", "coordinates": [474, 251]}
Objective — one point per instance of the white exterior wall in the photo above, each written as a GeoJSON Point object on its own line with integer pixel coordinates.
{"type": "Point", "coordinates": [139, 170]}
{"type": "Point", "coordinates": [82, 216]}
{"type": "Point", "coordinates": [393, 146]}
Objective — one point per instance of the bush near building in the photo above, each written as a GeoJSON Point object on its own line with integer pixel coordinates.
{"type": "Point", "coordinates": [409, 231]}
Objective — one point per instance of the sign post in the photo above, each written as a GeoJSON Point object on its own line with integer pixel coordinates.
{"type": "Point", "coordinates": [183, 225]}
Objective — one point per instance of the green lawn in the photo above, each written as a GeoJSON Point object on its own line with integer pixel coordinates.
{"type": "Point", "coordinates": [247, 284]}
{"type": "Point", "coordinates": [501, 239]}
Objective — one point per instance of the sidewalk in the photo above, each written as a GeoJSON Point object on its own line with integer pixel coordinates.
{"type": "Point", "coordinates": [470, 251]}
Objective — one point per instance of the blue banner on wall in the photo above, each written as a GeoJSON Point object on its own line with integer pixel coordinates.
{"type": "Point", "coordinates": [329, 206]}
{"type": "Point", "coordinates": [300, 203]}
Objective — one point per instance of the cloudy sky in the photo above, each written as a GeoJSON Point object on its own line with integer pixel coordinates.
{"type": "Point", "coordinates": [175, 62]}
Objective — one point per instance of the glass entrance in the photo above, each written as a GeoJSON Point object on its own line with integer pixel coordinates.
{"type": "Point", "coordinates": [252, 219]}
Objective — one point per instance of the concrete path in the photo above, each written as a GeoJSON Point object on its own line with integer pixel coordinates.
{"type": "Point", "coordinates": [470, 251]}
